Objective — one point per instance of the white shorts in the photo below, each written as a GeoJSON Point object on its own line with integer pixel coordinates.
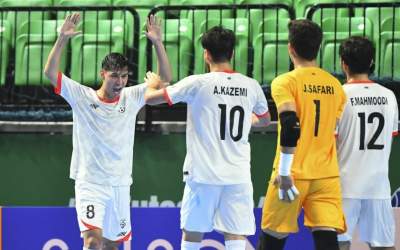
{"type": "Point", "coordinates": [225, 208]}
{"type": "Point", "coordinates": [374, 218]}
{"type": "Point", "coordinates": [104, 207]}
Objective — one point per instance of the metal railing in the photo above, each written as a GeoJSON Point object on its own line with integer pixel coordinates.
{"type": "Point", "coordinates": [260, 30]}
{"type": "Point", "coordinates": [380, 22]}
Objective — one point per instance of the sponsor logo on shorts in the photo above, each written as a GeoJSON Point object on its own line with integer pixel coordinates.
{"type": "Point", "coordinates": [122, 234]}
{"type": "Point", "coordinates": [396, 198]}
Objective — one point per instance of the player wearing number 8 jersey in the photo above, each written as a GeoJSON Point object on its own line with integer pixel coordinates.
{"type": "Point", "coordinates": [365, 131]}
{"type": "Point", "coordinates": [305, 171]}
{"type": "Point", "coordinates": [222, 106]}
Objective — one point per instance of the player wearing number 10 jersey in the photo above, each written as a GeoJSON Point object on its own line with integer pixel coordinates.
{"type": "Point", "coordinates": [365, 131]}
{"type": "Point", "coordinates": [305, 173]}
{"type": "Point", "coordinates": [221, 108]}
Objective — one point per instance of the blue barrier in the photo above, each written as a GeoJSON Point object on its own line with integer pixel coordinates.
{"type": "Point", "coordinates": [54, 228]}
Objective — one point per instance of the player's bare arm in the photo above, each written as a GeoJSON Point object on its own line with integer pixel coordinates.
{"type": "Point", "coordinates": [155, 35]}
{"type": "Point", "coordinates": [155, 89]}
{"type": "Point", "coordinates": [261, 121]}
{"type": "Point", "coordinates": [66, 32]}
{"type": "Point", "coordinates": [289, 127]}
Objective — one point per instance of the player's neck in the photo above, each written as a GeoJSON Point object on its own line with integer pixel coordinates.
{"type": "Point", "coordinates": [356, 78]}
{"type": "Point", "coordinates": [300, 63]}
{"type": "Point", "coordinates": [106, 97]}
{"type": "Point", "coordinates": [221, 67]}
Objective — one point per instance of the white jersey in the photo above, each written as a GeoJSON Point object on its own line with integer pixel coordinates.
{"type": "Point", "coordinates": [365, 131]}
{"type": "Point", "coordinates": [219, 115]}
{"type": "Point", "coordinates": [103, 133]}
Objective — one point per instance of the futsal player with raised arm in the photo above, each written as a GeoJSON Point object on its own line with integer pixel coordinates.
{"type": "Point", "coordinates": [221, 108]}
{"type": "Point", "coordinates": [364, 140]}
{"type": "Point", "coordinates": [305, 172]}
{"type": "Point", "coordinates": [103, 137]}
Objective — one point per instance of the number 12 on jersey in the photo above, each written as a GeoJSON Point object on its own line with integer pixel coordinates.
{"type": "Point", "coordinates": [232, 114]}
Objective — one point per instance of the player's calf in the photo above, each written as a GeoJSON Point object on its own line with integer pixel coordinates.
{"type": "Point", "coordinates": [344, 245]}
{"type": "Point", "coordinates": [191, 240]}
{"type": "Point", "coordinates": [92, 239]}
{"type": "Point", "coordinates": [234, 241]}
{"type": "Point", "coordinates": [110, 245]}
{"type": "Point", "coordinates": [270, 240]}
{"type": "Point", "coordinates": [325, 240]}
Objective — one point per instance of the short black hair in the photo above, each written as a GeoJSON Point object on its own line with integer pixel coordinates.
{"type": "Point", "coordinates": [305, 37]}
{"type": "Point", "coordinates": [220, 42]}
{"type": "Point", "coordinates": [357, 53]}
{"type": "Point", "coordinates": [114, 61]}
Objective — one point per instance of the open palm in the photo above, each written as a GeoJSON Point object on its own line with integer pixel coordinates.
{"type": "Point", "coordinates": [69, 25]}
{"type": "Point", "coordinates": [154, 29]}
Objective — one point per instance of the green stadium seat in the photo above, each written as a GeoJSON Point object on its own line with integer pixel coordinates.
{"type": "Point", "coordinates": [303, 6]}
{"type": "Point", "coordinates": [377, 16]}
{"type": "Point", "coordinates": [5, 44]}
{"type": "Point", "coordinates": [332, 37]}
{"type": "Point", "coordinates": [16, 19]}
{"type": "Point", "coordinates": [241, 28]}
{"type": "Point", "coordinates": [142, 7]}
{"type": "Point", "coordinates": [85, 15]}
{"type": "Point", "coordinates": [390, 49]}
{"type": "Point", "coordinates": [256, 16]}
{"type": "Point", "coordinates": [199, 16]}
{"type": "Point", "coordinates": [93, 45]}
{"type": "Point", "coordinates": [271, 56]}
{"type": "Point", "coordinates": [32, 50]}
{"type": "Point", "coordinates": [179, 46]}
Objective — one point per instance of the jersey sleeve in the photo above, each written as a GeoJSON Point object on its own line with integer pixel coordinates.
{"type": "Point", "coordinates": [396, 119]}
{"type": "Point", "coordinates": [137, 93]}
{"type": "Point", "coordinates": [342, 102]}
{"type": "Point", "coordinates": [282, 90]}
{"type": "Point", "coordinates": [261, 106]}
{"type": "Point", "coordinates": [69, 89]}
{"type": "Point", "coordinates": [182, 91]}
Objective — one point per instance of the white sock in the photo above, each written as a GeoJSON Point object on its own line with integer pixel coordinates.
{"type": "Point", "coordinates": [188, 245]}
{"type": "Point", "coordinates": [84, 248]}
{"type": "Point", "coordinates": [235, 245]}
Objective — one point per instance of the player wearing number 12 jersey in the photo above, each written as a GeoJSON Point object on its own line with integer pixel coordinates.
{"type": "Point", "coordinates": [365, 131]}
{"type": "Point", "coordinates": [305, 173]}
{"type": "Point", "coordinates": [221, 108]}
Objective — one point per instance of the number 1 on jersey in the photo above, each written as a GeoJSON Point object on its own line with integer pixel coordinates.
{"type": "Point", "coordinates": [317, 111]}
{"type": "Point", "coordinates": [232, 114]}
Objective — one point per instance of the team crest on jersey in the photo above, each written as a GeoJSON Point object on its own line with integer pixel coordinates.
{"type": "Point", "coordinates": [122, 223]}
{"type": "Point", "coordinates": [121, 109]}
{"type": "Point", "coordinates": [396, 198]}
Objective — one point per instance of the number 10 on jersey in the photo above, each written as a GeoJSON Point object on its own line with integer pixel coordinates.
{"type": "Point", "coordinates": [236, 110]}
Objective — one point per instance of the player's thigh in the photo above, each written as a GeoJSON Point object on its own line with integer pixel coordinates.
{"type": "Point", "coordinates": [91, 202]}
{"type": "Point", "coordinates": [235, 213]}
{"type": "Point", "coordinates": [377, 225]}
{"type": "Point", "coordinates": [323, 205]}
{"type": "Point", "coordinates": [352, 210]}
{"type": "Point", "coordinates": [117, 226]}
{"type": "Point", "coordinates": [199, 204]}
{"type": "Point", "coordinates": [279, 216]}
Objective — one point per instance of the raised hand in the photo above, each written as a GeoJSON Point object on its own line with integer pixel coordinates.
{"type": "Point", "coordinates": [153, 80]}
{"type": "Point", "coordinates": [154, 29]}
{"type": "Point", "coordinates": [68, 28]}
